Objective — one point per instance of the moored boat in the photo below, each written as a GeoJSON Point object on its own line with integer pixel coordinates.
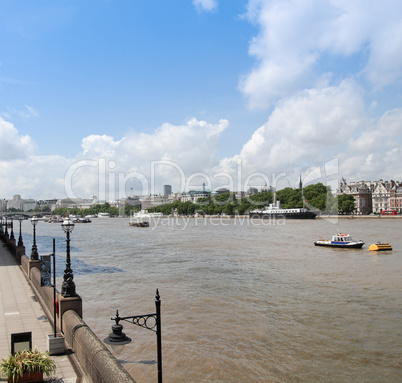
{"type": "Point", "coordinates": [380, 246]}
{"type": "Point", "coordinates": [340, 240]}
{"type": "Point", "coordinates": [274, 210]}
{"type": "Point", "coordinates": [103, 215]}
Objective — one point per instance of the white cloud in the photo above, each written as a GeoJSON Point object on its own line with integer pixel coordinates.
{"type": "Point", "coordinates": [107, 166]}
{"type": "Point", "coordinates": [296, 34]}
{"type": "Point", "coordinates": [205, 5]}
{"type": "Point", "coordinates": [190, 147]}
{"type": "Point", "coordinates": [12, 145]}
{"type": "Point", "coordinates": [303, 128]}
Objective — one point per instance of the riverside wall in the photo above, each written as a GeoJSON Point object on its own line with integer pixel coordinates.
{"type": "Point", "coordinates": [96, 361]}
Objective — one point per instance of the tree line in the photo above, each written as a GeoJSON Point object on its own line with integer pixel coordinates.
{"type": "Point", "coordinates": [314, 197]}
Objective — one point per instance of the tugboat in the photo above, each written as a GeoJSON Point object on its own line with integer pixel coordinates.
{"type": "Point", "coordinates": [380, 246]}
{"type": "Point", "coordinates": [340, 240]}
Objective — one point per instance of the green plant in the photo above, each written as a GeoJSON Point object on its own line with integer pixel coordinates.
{"type": "Point", "coordinates": [27, 361]}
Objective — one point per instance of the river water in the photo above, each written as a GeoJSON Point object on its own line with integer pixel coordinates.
{"type": "Point", "coordinates": [242, 301]}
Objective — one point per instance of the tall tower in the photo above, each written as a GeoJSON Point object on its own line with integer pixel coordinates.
{"type": "Point", "coordinates": [167, 190]}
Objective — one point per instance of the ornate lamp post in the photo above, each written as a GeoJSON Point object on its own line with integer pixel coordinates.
{"type": "Point", "coordinates": [6, 232]}
{"type": "Point", "coordinates": [150, 321]}
{"type": "Point", "coordinates": [68, 285]}
{"type": "Point", "coordinates": [34, 252]}
{"type": "Point", "coordinates": [20, 243]}
{"type": "Point", "coordinates": [12, 229]}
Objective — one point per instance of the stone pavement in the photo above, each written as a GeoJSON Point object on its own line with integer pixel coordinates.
{"type": "Point", "coordinates": [21, 312]}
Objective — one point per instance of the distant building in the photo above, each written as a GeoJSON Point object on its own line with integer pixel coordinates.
{"type": "Point", "coordinates": [152, 200]}
{"type": "Point", "coordinates": [132, 201]}
{"type": "Point", "coordinates": [3, 205]}
{"type": "Point", "coordinates": [395, 198]}
{"type": "Point", "coordinates": [167, 190]}
{"type": "Point", "coordinates": [361, 192]}
{"type": "Point", "coordinates": [375, 196]}
{"type": "Point", "coordinates": [79, 203]}
{"type": "Point", "coordinates": [194, 195]}
{"type": "Point", "coordinates": [381, 196]}
{"type": "Point", "coordinates": [222, 191]}
{"type": "Point", "coordinates": [252, 190]}
{"type": "Point", "coordinates": [268, 189]}
{"type": "Point", "coordinates": [21, 204]}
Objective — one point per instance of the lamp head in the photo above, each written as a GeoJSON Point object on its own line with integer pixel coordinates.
{"type": "Point", "coordinates": [34, 220]}
{"type": "Point", "coordinates": [117, 337]}
{"type": "Point", "coordinates": [67, 225]}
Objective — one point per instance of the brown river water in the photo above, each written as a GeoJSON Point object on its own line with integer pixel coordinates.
{"type": "Point", "coordinates": [243, 301]}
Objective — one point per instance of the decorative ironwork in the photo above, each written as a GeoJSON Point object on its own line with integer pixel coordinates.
{"type": "Point", "coordinates": [149, 321]}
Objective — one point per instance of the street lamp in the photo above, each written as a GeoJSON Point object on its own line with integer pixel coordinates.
{"type": "Point", "coordinates": [6, 233]}
{"type": "Point", "coordinates": [68, 285]}
{"type": "Point", "coordinates": [150, 321]}
{"type": "Point", "coordinates": [12, 229]}
{"type": "Point", "coordinates": [34, 252]}
{"type": "Point", "coordinates": [20, 242]}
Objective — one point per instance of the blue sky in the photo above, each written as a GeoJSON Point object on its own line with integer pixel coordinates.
{"type": "Point", "coordinates": [230, 93]}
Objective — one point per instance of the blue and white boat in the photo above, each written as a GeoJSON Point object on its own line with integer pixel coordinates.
{"type": "Point", "coordinates": [341, 240]}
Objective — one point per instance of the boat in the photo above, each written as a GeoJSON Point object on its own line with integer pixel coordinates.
{"type": "Point", "coordinates": [340, 240]}
{"type": "Point", "coordinates": [139, 223]}
{"type": "Point", "coordinates": [81, 220]}
{"type": "Point", "coordinates": [145, 214]}
{"type": "Point", "coordinates": [103, 215]}
{"type": "Point", "coordinates": [274, 210]}
{"type": "Point", "coordinates": [142, 218]}
{"type": "Point", "coordinates": [380, 246]}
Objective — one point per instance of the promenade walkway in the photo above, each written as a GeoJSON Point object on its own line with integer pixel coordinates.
{"type": "Point", "coordinates": [21, 312]}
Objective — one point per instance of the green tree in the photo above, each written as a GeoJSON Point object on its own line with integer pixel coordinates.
{"type": "Point", "coordinates": [346, 203]}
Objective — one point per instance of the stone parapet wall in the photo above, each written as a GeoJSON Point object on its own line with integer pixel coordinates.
{"type": "Point", "coordinates": [95, 358]}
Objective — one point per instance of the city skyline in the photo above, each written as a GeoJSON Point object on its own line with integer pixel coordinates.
{"type": "Point", "coordinates": [110, 97]}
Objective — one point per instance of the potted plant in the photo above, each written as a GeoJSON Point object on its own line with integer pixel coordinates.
{"type": "Point", "coordinates": [27, 366]}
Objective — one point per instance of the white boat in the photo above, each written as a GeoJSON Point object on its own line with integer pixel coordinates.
{"type": "Point", "coordinates": [142, 218]}
{"type": "Point", "coordinates": [145, 214]}
{"type": "Point", "coordinates": [103, 215]}
{"type": "Point", "coordinates": [340, 240]}
{"type": "Point", "coordinates": [274, 210]}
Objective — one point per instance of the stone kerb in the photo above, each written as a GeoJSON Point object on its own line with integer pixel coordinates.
{"type": "Point", "coordinates": [94, 356]}
{"type": "Point", "coordinates": [19, 253]}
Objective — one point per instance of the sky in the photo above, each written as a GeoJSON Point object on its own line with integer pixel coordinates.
{"type": "Point", "coordinates": [119, 97]}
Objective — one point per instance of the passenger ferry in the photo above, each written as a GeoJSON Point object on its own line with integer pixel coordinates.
{"type": "Point", "coordinates": [340, 240]}
{"type": "Point", "coordinates": [274, 211]}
